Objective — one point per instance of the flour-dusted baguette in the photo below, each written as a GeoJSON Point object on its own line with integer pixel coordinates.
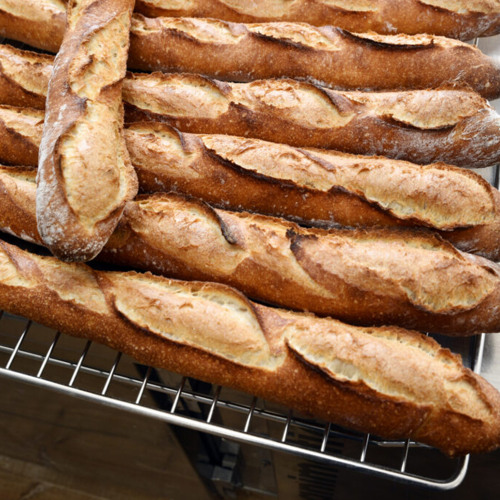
{"type": "Point", "coordinates": [462, 19]}
{"type": "Point", "coordinates": [39, 23]}
{"type": "Point", "coordinates": [331, 55]}
{"type": "Point", "coordinates": [85, 176]}
{"type": "Point", "coordinates": [390, 382]}
{"type": "Point", "coordinates": [335, 57]}
{"type": "Point", "coordinates": [313, 187]}
{"type": "Point", "coordinates": [453, 126]}
{"type": "Point", "coordinates": [376, 277]}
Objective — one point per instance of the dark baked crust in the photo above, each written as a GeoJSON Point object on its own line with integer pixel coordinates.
{"type": "Point", "coordinates": [456, 127]}
{"type": "Point", "coordinates": [38, 23]}
{"type": "Point", "coordinates": [448, 125]}
{"type": "Point", "coordinates": [242, 52]}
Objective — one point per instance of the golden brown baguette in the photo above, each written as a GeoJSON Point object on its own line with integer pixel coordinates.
{"type": "Point", "coordinates": [407, 278]}
{"type": "Point", "coordinates": [24, 77]}
{"type": "Point", "coordinates": [456, 127]}
{"type": "Point", "coordinates": [317, 366]}
{"type": "Point", "coordinates": [336, 57]}
{"type": "Point", "coordinates": [20, 135]}
{"type": "Point", "coordinates": [85, 176]}
{"type": "Point", "coordinates": [332, 56]}
{"type": "Point", "coordinates": [453, 18]}
{"type": "Point", "coordinates": [313, 187]}
{"type": "Point", "coordinates": [40, 23]}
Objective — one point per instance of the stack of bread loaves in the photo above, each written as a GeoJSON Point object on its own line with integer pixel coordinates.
{"type": "Point", "coordinates": [250, 144]}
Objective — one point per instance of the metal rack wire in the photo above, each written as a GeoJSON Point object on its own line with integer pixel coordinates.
{"type": "Point", "coordinates": [36, 355]}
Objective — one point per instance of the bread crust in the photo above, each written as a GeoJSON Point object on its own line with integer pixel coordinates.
{"type": "Point", "coordinates": [24, 77]}
{"type": "Point", "coordinates": [21, 132]}
{"type": "Point", "coordinates": [315, 187]}
{"type": "Point", "coordinates": [334, 57]}
{"type": "Point", "coordinates": [408, 278]}
{"type": "Point", "coordinates": [455, 19]}
{"type": "Point", "coordinates": [85, 176]}
{"type": "Point", "coordinates": [448, 125]}
{"type": "Point", "coordinates": [252, 175]}
{"type": "Point", "coordinates": [39, 23]}
{"type": "Point", "coordinates": [316, 366]}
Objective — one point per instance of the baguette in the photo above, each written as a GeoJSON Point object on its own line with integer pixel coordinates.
{"type": "Point", "coordinates": [85, 176]}
{"type": "Point", "coordinates": [320, 188]}
{"type": "Point", "coordinates": [452, 126]}
{"type": "Point", "coordinates": [456, 127]}
{"type": "Point", "coordinates": [20, 135]}
{"type": "Point", "coordinates": [24, 77]}
{"type": "Point", "coordinates": [39, 23]}
{"type": "Point", "coordinates": [320, 367]}
{"type": "Point", "coordinates": [376, 277]}
{"type": "Point", "coordinates": [332, 56]}
{"type": "Point", "coordinates": [452, 18]}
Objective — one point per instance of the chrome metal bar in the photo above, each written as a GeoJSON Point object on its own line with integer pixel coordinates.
{"type": "Point", "coordinates": [178, 395]}
{"type": "Point", "coordinates": [111, 373]}
{"type": "Point", "coordinates": [18, 345]}
{"type": "Point", "coordinates": [47, 356]}
{"type": "Point", "coordinates": [80, 362]}
{"type": "Point", "coordinates": [478, 358]}
{"type": "Point", "coordinates": [214, 404]}
{"type": "Point", "coordinates": [325, 437]}
{"type": "Point", "coordinates": [143, 386]}
{"type": "Point", "coordinates": [287, 426]}
{"type": "Point", "coordinates": [405, 456]}
{"type": "Point", "coordinates": [250, 415]}
{"type": "Point", "coordinates": [198, 398]}
{"type": "Point", "coordinates": [366, 442]}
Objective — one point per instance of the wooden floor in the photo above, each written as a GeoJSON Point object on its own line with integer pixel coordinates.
{"type": "Point", "coordinates": [54, 446]}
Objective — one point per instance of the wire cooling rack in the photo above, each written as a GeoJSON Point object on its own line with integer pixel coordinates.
{"type": "Point", "coordinates": [37, 355]}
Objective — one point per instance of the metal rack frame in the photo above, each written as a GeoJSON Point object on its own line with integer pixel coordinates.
{"type": "Point", "coordinates": [181, 393]}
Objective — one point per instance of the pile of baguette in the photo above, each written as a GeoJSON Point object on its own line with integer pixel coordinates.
{"type": "Point", "coordinates": [303, 166]}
